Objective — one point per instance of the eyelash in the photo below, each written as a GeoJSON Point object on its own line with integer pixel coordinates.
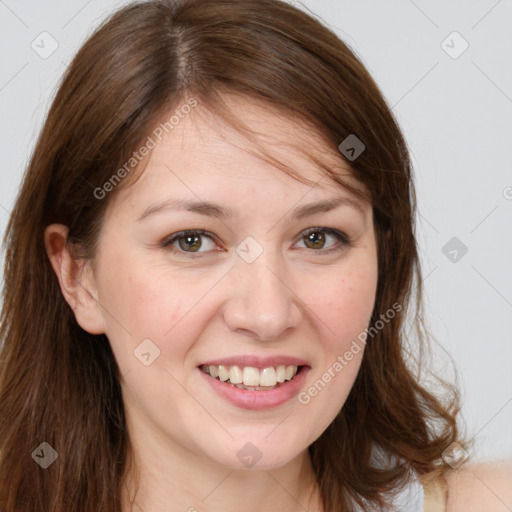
{"type": "Point", "coordinates": [345, 240]}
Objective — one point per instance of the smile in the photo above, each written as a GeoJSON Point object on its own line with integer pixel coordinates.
{"type": "Point", "coordinates": [251, 378]}
{"type": "Point", "coordinates": [273, 393]}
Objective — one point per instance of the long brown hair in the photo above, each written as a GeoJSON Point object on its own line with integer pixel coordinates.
{"type": "Point", "coordinates": [61, 385]}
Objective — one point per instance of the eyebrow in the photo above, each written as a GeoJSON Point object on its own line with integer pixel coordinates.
{"type": "Point", "coordinates": [210, 209]}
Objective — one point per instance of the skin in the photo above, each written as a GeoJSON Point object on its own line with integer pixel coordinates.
{"type": "Point", "coordinates": [290, 300]}
{"type": "Point", "coordinates": [480, 486]}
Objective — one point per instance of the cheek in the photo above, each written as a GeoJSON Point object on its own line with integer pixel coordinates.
{"type": "Point", "coordinates": [346, 305]}
{"type": "Point", "coordinates": [344, 311]}
{"type": "Point", "coordinates": [140, 304]}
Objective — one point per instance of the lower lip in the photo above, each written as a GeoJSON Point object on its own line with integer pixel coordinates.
{"type": "Point", "coordinates": [257, 400]}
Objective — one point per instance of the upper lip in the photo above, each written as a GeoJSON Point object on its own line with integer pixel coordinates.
{"type": "Point", "coordinates": [257, 361]}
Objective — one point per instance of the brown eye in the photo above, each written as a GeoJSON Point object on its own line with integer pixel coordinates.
{"type": "Point", "coordinates": [317, 238]}
{"type": "Point", "coordinates": [190, 242]}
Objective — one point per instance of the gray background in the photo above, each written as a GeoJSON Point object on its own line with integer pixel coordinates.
{"type": "Point", "coordinates": [456, 112]}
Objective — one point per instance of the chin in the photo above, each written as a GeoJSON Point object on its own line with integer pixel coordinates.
{"type": "Point", "coordinates": [258, 453]}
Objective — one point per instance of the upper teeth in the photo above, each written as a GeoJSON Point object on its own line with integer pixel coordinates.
{"type": "Point", "coordinates": [250, 376]}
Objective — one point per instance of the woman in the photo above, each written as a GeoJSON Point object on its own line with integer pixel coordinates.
{"type": "Point", "coordinates": [208, 269]}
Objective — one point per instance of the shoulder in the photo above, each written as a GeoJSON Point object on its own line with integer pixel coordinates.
{"type": "Point", "coordinates": [480, 486]}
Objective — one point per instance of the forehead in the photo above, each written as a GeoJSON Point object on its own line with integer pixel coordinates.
{"type": "Point", "coordinates": [203, 147]}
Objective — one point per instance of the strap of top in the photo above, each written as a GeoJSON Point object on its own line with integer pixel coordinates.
{"type": "Point", "coordinates": [436, 492]}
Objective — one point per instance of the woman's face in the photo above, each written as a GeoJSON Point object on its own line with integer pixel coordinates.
{"type": "Point", "coordinates": [260, 291]}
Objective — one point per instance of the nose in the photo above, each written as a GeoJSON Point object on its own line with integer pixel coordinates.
{"type": "Point", "coordinates": [263, 303]}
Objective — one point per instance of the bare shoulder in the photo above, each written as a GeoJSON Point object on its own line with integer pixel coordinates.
{"type": "Point", "coordinates": [480, 486]}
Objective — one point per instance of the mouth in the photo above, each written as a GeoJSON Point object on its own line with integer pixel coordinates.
{"type": "Point", "coordinates": [251, 378]}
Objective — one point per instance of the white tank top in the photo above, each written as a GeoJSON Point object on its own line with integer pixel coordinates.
{"type": "Point", "coordinates": [410, 498]}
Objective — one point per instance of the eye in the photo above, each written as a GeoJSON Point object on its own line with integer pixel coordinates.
{"type": "Point", "coordinates": [315, 238]}
{"type": "Point", "coordinates": [189, 241]}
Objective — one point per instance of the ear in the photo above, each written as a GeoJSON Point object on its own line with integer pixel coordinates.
{"type": "Point", "coordinates": [76, 280]}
